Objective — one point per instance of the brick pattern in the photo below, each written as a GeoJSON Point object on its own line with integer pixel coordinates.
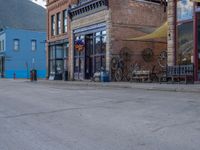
{"type": "Point", "coordinates": [127, 19]}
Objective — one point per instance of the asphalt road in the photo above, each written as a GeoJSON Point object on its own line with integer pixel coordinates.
{"type": "Point", "coordinates": [60, 117]}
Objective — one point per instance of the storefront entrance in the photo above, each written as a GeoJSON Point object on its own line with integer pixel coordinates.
{"type": "Point", "coordinates": [58, 60]}
{"type": "Point", "coordinates": [90, 57]}
{"type": "Point", "coordinates": [89, 63]}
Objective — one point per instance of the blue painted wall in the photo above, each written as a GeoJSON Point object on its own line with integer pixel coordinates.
{"type": "Point", "coordinates": [22, 61]}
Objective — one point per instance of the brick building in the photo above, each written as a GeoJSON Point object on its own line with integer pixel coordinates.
{"type": "Point", "coordinates": [57, 38]}
{"type": "Point", "coordinates": [99, 29]}
{"type": "Point", "coordinates": [104, 26]}
{"type": "Point", "coordinates": [183, 36]}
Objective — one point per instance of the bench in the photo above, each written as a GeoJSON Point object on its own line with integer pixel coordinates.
{"type": "Point", "coordinates": [180, 72]}
{"type": "Point", "coordinates": [142, 75]}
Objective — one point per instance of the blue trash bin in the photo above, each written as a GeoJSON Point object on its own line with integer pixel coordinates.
{"type": "Point", "coordinates": [104, 76]}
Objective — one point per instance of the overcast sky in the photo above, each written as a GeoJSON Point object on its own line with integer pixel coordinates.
{"type": "Point", "coordinates": [39, 2]}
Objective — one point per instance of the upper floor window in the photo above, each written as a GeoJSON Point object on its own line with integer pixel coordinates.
{"type": "Point", "coordinates": [64, 21]}
{"type": "Point", "coordinates": [33, 45]}
{"type": "Point", "coordinates": [16, 45]}
{"type": "Point", "coordinates": [53, 25]}
{"type": "Point", "coordinates": [58, 23]}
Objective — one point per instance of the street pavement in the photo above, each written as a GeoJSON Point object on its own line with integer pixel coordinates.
{"type": "Point", "coordinates": [58, 116]}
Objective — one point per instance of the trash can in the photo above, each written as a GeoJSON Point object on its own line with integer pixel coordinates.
{"type": "Point", "coordinates": [33, 74]}
{"type": "Point", "coordinates": [104, 76]}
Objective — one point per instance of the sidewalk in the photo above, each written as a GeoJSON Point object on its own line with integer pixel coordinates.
{"type": "Point", "coordinates": [146, 86]}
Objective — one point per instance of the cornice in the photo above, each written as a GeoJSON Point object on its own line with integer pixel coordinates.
{"type": "Point", "coordinates": [56, 4]}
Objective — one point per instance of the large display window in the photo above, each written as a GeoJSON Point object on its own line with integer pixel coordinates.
{"type": "Point", "coordinates": [58, 55]}
{"type": "Point", "coordinates": [92, 57]}
{"type": "Point", "coordinates": [185, 34]}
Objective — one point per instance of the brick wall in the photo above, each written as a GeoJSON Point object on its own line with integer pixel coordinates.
{"type": "Point", "coordinates": [130, 19]}
{"type": "Point", "coordinates": [53, 7]}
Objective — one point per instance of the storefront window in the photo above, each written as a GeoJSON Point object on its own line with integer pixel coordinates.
{"type": "Point", "coordinates": [57, 59]}
{"type": "Point", "coordinates": [79, 55]}
{"type": "Point", "coordinates": [52, 67]}
{"type": "Point", "coordinates": [92, 58]}
{"type": "Point", "coordinates": [184, 51]}
{"type": "Point", "coordinates": [184, 10]}
{"type": "Point", "coordinates": [104, 44]}
{"type": "Point", "coordinates": [185, 46]}
{"type": "Point", "coordinates": [59, 66]}
{"type": "Point", "coordinates": [98, 45]}
{"type": "Point", "coordinates": [59, 51]}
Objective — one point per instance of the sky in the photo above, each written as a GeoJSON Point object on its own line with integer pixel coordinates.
{"type": "Point", "coordinates": [39, 2]}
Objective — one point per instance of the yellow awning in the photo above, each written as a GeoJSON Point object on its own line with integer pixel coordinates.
{"type": "Point", "coordinates": [160, 32]}
{"type": "Point", "coordinates": [195, 0]}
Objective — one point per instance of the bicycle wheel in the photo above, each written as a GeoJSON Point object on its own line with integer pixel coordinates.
{"type": "Point", "coordinates": [114, 63]}
{"type": "Point", "coordinates": [118, 74]}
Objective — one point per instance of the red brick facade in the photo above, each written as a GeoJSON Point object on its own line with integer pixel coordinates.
{"type": "Point", "coordinates": [53, 8]}
{"type": "Point", "coordinates": [127, 21]}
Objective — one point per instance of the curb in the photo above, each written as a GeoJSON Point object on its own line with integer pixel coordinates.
{"type": "Point", "coordinates": [148, 86]}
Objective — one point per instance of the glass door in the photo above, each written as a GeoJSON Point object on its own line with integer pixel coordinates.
{"type": "Point", "coordinates": [88, 56]}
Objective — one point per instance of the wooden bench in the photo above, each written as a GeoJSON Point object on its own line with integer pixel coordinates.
{"type": "Point", "coordinates": [142, 75]}
{"type": "Point", "coordinates": [181, 73]}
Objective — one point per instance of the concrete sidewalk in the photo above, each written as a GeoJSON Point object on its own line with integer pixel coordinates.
{"type": "Point", "coordinates": [146, 86]}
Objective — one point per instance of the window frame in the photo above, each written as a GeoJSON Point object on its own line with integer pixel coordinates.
{"type": "Point", "coordinates": [65, 21]}
{"type": "Point", "coordinates": [35, 46]}
{"type": "Point", "coordinates": [179, 58]}
{"type": "Point", "coordinates": [53, 25]}
{"type": "Point", "coordinates": [14, 44]}
{"type": "Point", "coordinates": [58, 22]}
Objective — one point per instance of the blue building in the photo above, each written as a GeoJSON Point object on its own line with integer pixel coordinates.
{"type": "Point", "coordinates": [22, 39]}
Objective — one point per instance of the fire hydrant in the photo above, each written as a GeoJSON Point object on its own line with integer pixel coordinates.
{"type": "Point", "coordinates": [14, 75]}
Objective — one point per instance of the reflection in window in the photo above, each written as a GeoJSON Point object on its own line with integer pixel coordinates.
{"type": "Point", "coordinates": [98, 63]}
{"type": "Point", "coordinates": [52, 67]}
{"type": "Point", "coordinates": [98, 45]}
{"type": "Point", "coordinates": [184, 10]}
{"type": "Point", "coordinates": [185, 43]}
{"type": "Point", "coordinates": [57, 59]}
{"type": "Point", "coordinates": [104, 44]}
{"type": "Point", "coordinates": [64, 21]}
{"type": "Point", "coordinates": [58, 23]}
{"type": "Point", "coordinates": [53, 25]}
{"type": "Point", "coordinates": [59, 66]}
{"type": "Point", "coordinates": [59, 51]}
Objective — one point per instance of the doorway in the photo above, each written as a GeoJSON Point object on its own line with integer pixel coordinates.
{"type": "Point", "coordinates": [89, 46]}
